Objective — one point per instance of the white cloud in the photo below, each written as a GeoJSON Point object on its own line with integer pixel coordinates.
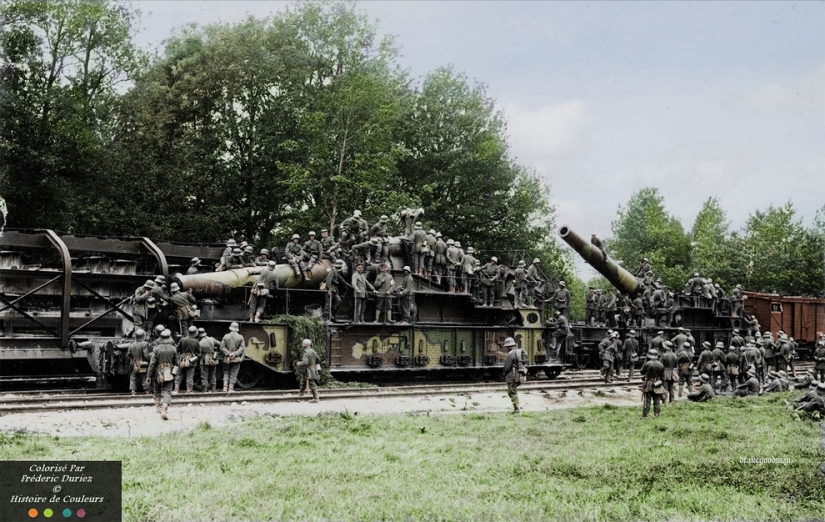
{"type": "Point", "coordinates": [550, 130]}
{"type": "Point", "coordinates": [803, 93]}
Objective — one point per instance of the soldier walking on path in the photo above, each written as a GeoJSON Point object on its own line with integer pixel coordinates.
{"type": "Point", "coordinates": [515, 370]}
{"type": "Point", "coordinates": [653, 373]}
{"type": "Point", "coordinates": [307, 371]}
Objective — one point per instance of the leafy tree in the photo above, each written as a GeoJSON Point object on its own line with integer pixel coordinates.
{"type": "Point", "coordinates": [713, 251]}
{"type": "Point", "coordinates": [62, 63]}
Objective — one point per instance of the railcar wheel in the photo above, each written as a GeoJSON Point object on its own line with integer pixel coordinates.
{"type": "Point", "coordinates": [551, 374]}
{"type": "Point", "coordinates": [582, 360]}
{"type": "Point", "coordinates": [248, 376]}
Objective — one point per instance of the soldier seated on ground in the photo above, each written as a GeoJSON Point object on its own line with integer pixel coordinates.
{"type": "Point", "coordinates": [749, 387]}
{"type": "Point", "coordinates": [815, 405]}
{"type": "Point", "coordinates": [705, 391]}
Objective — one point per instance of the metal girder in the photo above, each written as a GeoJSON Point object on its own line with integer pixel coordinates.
{"type": "Point", "coordinates": [112, 308]}
{"type": "Point", "coordinates": [159, 256]}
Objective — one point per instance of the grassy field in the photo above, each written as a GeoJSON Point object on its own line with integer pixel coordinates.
{"type": "Point", "coordinates": [599, 463]}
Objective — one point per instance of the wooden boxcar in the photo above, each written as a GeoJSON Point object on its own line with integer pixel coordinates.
{"type": "Point", "coordinates": [800, 317]}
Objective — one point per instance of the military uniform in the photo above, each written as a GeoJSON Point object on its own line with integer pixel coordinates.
{"type": "Point", "coordinates": [561, 299]}
{"type": "Point", "coordinates": [669, 363]}
{"type": "Point", "coordinates": [188, 348]}
{"type": "Point", "coordinates": [383, 300]}
{"type": "Point", "coordinates": [589, 306]}
{"type": "Point", "coordinates": [328, 246]}
{"type": "Point", "coordinates": [515, 371]}
{"type": "Point", "coordinates": [609, 357]}
{"type": "Point", "coordinates": [684, 360]}
{"type": "Point", "coordinates": [359, 287]}
{"type": "Point", "coordinates": [420, 249]}
{"type": "Point", "coordinates": [749, 387]}
{"type": "Point", "coordinates": [630, 350]}
{"type": "Point", "coordinates": [488, 275]}
{"type": "Point", "coordinates": [307, 372]}
{"type": "Point", "coordinates": [653, 372]}
{"type": "Point", "coordinates": [560, 334]}
{"type": "Point", "coordinates": [331, 285]}
{"type": "Point", "coordinates": [406, 295]}
{"type": "Point", "coordinates": [819, 361]}
{"type": "Point", "coordinates": [453, 262]}
{"type": "Point", "coordinates": [382, 246]}
{"type": "Point", "coordinates": [266, 284]}
{"type": "Point", "coordinates": [141, 312]}
{"type": "Point", "coordinates": [719, 377]}
{"type": "Point", "coordinates": [232, 348]}
{"type": "Point", "coordinates": [138, 354]}
{"type": "Point", "coordinates": [410, 217]}
{"type": "Point", "coordinates": [182, 301]}
{"type": "Point", "coordinates": [208, 361]}
{"type": "Point", "coordinates": [440, 262]}
{"type": "Point", "coordinates": [159, 373]}
{"type": "Point", "coordinates": [468, 267]}
{"type": "Point", "coordinates": [294, 254]}
{"type": "Point", "coordinates": [520, 285]}
{"type": "Point", "coordinates": [430, 254]}
{"type": "Point", "coordinates": [705, 391]}
{"type": "Point", "coordinates": [312, 251]}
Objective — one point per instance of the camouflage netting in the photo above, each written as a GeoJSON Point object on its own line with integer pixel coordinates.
{"type": "Point", "coordinates": [311, 328]}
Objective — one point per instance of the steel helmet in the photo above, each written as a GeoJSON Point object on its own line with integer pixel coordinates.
{"type": "Point", "coordinates": [311, 233]}
{"type": "Point", "coordinates": [248, 248]}
{"type": "Point", "coordinates": [195, 260]}
{"type": "Point", "coordinates": [201, 332]}
{"type": "Point", "coordinates": [272, 264]}
{"type": "Point", "coordinates": [236, 251]}
{"type": "Point", "coordinates": [451, 242]}
{"type": "Point", "coordinates": [356, 213]}
{"type": "Point", "coordinates": [406, 268]}
{"type": "Point", "coordinates": [231, 243]}
{"type": "Point", "coordinates": [234, 327]}
{"type": "Point", "coordinates": [521, 263]}
{"type": "Point", "coordinates": [494, 259]}
{"type": "Point", "coordinates": [296, 236]}
{"type": "Point", "coordinates": [193, 331]}
{"type": "Point", "coordinates": [264, 252]}
{"type": "Point", "coordinates": [139, 334]}
{"type": "Point", "coordinates": [159, 328]}
{"type": "Point", "coordinates": [509, 342]}
{"type": "Point", "coordinates": [458, 244]}
{"type": "Point", "coordinates": [175, 287]}
{"type": "Point", "coordinates": [166, 334]}
{"type": "Point", "coordinates": [536, 260]}
{"type": "Point", "coordinates": [383, 218]}
{"type": "Point", "coordinates": [470, 250]}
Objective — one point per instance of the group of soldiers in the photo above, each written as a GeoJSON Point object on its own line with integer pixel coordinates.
{"type": "Point", "coordinates": [750, 365]}
{"type": "Point", "coordinates": [609, 308]}
{"type": "Point", "coordinates": [161, 365]}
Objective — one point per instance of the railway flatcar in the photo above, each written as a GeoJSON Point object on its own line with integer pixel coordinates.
{"type": "Point", "coordinates": [66, 305]}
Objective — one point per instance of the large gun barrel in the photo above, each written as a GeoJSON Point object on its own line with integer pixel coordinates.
{"type": "Point", "coordinates": [618, 276]}
{"type": "Point", "coordinates": [221, 283]}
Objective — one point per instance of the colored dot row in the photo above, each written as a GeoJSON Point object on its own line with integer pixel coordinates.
{"type": "Point", "coordinates": [48, 513]}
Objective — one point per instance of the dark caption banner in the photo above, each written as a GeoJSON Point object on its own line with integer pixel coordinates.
{"type": "Point", "coordinates": [83, 491]}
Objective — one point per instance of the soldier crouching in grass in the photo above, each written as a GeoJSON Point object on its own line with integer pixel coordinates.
{"type": "Point", "coordinates": [159, 374]}
{"type": "Point", "coordinates": [307, 370]}
{"type": "Point", "coordinates": [515, 370]}
{"type": "Point", "coordinates": [653, 372]}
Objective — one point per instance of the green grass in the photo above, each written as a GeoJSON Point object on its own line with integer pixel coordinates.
{"type": "Point", "coordinates": [598, 463]}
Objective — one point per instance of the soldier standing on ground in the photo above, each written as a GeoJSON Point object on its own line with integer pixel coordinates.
{"type": "Point", "coordinates": [684, 360]}
{"type": "Point", "coordinates": [515, 372]}
{"type": "Point", "coordinates": [307, 370]}
{"type": "Point", "coordinates": [819, 360]}
{"type": "Point", "coordinates": [159, 373]}
{"type": "Point", "coordinates": [669, 363]}
{"type": "Point", "coordinates": [188, 348]}
{"type": "Point", "coordinates": [208, 361]}
{"type": "Point", "coordinates": [138, 353]}
{"type": "Point", "coordinates": [653, 373]}
{"type": "Point", "coordinates": [630, 351]}
{"type": "Point", "coordinates": [719, 376]}
{"type": "Point", "coordinates": [732, 367]}
{"type": "Point", "coordinates": [232, 348]}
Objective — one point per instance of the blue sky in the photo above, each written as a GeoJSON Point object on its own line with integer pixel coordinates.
{"type": "Point", "coordinates": [698, 99]}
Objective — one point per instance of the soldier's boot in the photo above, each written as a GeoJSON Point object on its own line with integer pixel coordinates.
{"type": "Point", "coordinates": [157, 404]}
{"type": "Point", "coordinates": [315, 396]}
{"type": "Point", "coordinates": [213, 389]}
{"type": "Point", "coordinates": [133, 393]}
{"type": "Point", "coordinates": [225, 386]}
{"type": "Point", "coordinates": [163, 412]}
{"type": "Point", "coordinates": [257, 317]}
{"type": "Point", "coordinates": [231, 388]}
{"type": "Point", "coordinates": [251, 317]}
{"type": "Point", "coordinates": [452, 290]}
{"type": "Point", "coordinates": [147, 391]}
{"type": "Point", "coordinates": [188, 389]}
{"type": "Point", "coordinates": [308, 275]}
{"type": "Point", "coordinates": [176, 390]}
{"type": "Point", "coordinates": [438, 279]}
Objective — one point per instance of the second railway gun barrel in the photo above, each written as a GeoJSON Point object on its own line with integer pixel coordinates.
{"type": "Point", "coordinates": [618, 276]}
{"type": "Point", "coordinates": [221, 283]}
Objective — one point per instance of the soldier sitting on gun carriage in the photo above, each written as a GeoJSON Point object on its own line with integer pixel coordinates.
{"type": "Point", "coordinates": [329, 248]}
{"type": "Point", "coordinates": [266, 284]}
{"type": "Point", "coordinates": [381, 250]}
{"type": "Point", "coordinates": [263, 258]}
{"type": "Point", "coordinates": [294, 255]}
{"type": "Point", "coordinates": [561, 332]}
{"type": "Point", "coordinates": [227, 253]}
{"type": "Point", "coordinates": [312, 251]}
{"type": "Point", "coordinates": [248, 256]}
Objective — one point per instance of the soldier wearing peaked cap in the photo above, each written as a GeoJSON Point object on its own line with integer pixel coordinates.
{"type": "Point", "coordinates": [653, 373]}
{"type": "Point", "coordinates": [732, 368]}
{"type": "Point", "coordinates": [406, 295]}
{"type": "Point", "coordinates": [359, 292]}
{"type": "Point", "coordinates": [232, 348]}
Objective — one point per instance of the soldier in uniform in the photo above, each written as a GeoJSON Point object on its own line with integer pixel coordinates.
{"type": "Point", "coordinates": [653, 373]}
{"type": "Point", "coordinates": [705, 391]}
{"type": "Point", "coordinates": [598, 243]}
{"type": "Point", "coordinates": [520, 285]}
{"type": "Point", "coordinates": [382, 248]}
{"type": "Point", "coordinates": [306, 370]}
{"type": "Point", "coordinates": [560, 334]}
{"type": "Point", "coordinates": [684, 360]}
{"type": "Point", "coordinates": [359, 287]}
{"type": "Point", "coordinates": [749, 387]}
{"type": "Point", "coordinates": [182, 301]}
{"type": "Point", "coordinates": [669, 363]}
{"type": "Point", "coordinates": [732, 368]}
{"type": "Point", "coordinates": [705, 362]}
{"type": "Point", "coordinates": [468, 267]}
{"type": "Point", "coordinates": [430, 254]}
{"type": "Point", "coordinates": [235, 259]}
{"type": "Point", "coordinates": [263, 258]}
{"type": "Point", "coordinates": [770, 355]}
{"type": "Point", "coordinates": [600, 301]}
{"type": "Point", "coordinates": [384, 284]}
{"type": "Point", "coordinates": [353, 230]}
{"type": "Point", "coordinates": [488, 274]}
{"type": "Point", "coordinates": [819, 360]}
{"type": "Point", "coordinates": [515, 371]}
{"type": "Point", "coordinates": [410, 216]}
{"type": "Point", "coordinates": [644, 267]}
{"type": "Point", "coordinates": [534, 279]}
{"type": "Point", "coordinates": [406, 295]}
{"type": "Point", "coordinates": [657, 343]}
{"type": "Point", "coordinates": [159, 373]}
{"type": "Point", "coordinates": [266, 284]}
{"type": "Point", "coordinates": [610, 308]}
{"type": "Point", "coordinates": [589, 306]}
{"type": "Point", "coordinates": [227, 253]}
{"type": "Point", "coordinates": [452, 264]}
{"type": "Point", "coordinates": [360, 253]}
{"type": "Point", "coordinates": [294, 254]}
{"type": "Point", "coordinates": [736, 301]}
{"type": "Point", "coordinates": [679, 340]}
{"type": "Point", "coordinates": [331, 285]}
{"type": "Point", "coordinates": [609, 356]}
{"type": "Point", "coordinates": [194, 264]}
{"type": "Point", "coordinates": [719, 376]}
{"type": "Point", "coordinates": [248, 256]}
{"type": "Point", "coordinates": [188, 348]}
{"type": "Point", "coordinates": [783, 357]}
{"type": "Point", "coordinates": [141, 311]}
{"type": "Point", "coordinates": [638, 309]}
{"type": "Point", "coordinates": [561, 299]}
{"type": "Point", "coordinates": [312, 251]}
{"type": "Point", "coordinates": [138, 354]}
{"type": "Point", "coordinates": [629, 353]}
{"type": "Point", "coordinates": [232, 348]}
{"type": "Point", "coordinates": [420, 249]}
{"type": "Point", "coordinates": [209, 361]}
{"type": "Point", "coordinates": [328, 246]}
{"type": "Point", "coordinates": [440, 257]}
